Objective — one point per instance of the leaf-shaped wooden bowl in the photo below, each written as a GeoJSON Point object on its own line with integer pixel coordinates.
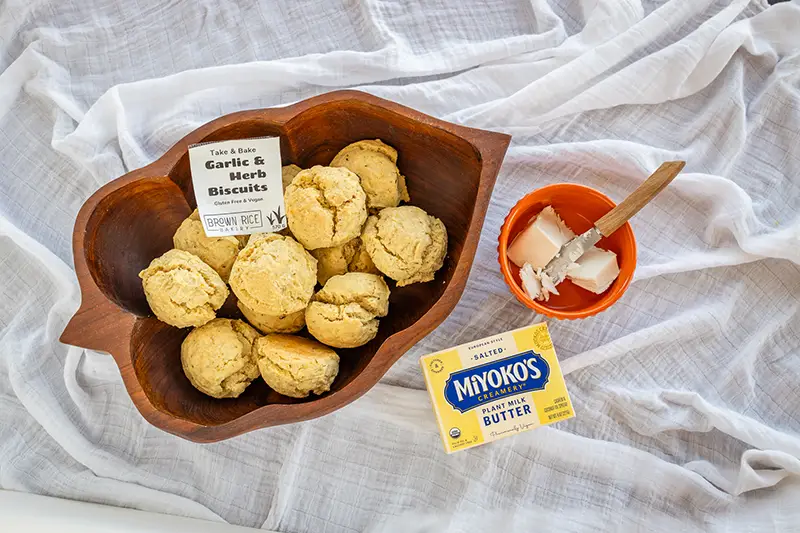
{"type": "Point", "coordinates": [125, 224]}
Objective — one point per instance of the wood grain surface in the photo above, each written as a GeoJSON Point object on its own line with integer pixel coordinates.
{"type": "Point", "coordinates": [450, 171]}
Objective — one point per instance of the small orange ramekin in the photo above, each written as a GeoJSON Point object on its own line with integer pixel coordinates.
{"type": "Point", "coordinates": [579, 206]}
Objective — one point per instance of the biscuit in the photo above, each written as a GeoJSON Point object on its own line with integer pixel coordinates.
{"type": "Point", "coordinates": [274, 275]}
{"type": "Point", "coordinates": [361, 261]}
{"type": "Point", "coordinates": [217, 357]}
{"type": "Point", "coordinates": [344, 313]}
{"type": "Point", "coordinates": [406, 243]}
{"type": "Point", "coordinates": [256, 236]}
{"type": "Point", "coordinates": [288, 173]}
{"type": "Point", "coordinates": [217, 252]}
{"type": "Point", "coordinates": [375, 163]}
{"type": "Point", "coordinates": [325, 207]}
{"type": "Point", "coordinates": [296, 366]}
{"type": "Point", "coordinates": [182, 290]}
{"type": "Point", "coordinates": [274, 324]}
{"type": "Point", "coordinates": [348, 257]}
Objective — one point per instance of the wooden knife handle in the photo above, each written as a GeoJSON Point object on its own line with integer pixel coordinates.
{"type": "Point", "coordinates": [614, 219]}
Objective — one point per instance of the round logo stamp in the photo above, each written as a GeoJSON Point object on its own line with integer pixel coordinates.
{"type": "Point", "coordinates": [541, 339]}
{"type": "Point", "coordinates": [436, 366]}
{"type": "Point", "coordinates": [454, 433]}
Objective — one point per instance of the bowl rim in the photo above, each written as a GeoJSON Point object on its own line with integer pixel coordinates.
{"type": "Point", "coordinates": [517, 211]}
{"type": "Point", "coordinates": [100, 324]}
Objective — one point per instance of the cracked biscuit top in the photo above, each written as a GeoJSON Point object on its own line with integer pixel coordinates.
{"type": "Point", "coordinates": [274, 275]}
{"type": "Point", "coordinates": [344, 313]}
{"type": "Point", "coordinates": [325, 207]}
{"type": "Point", "coordinates": [296, 366]}
{"type": "Point", "coordinates": [406, 243]}
{"type": "Point", "coordinates": [375, 163]}
{"type": "Point", "coordinates": [182, 290]}
{"type": "Point", "coordinates": [217, 357]}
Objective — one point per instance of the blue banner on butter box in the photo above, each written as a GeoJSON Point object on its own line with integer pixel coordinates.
{"type": "Point", "coordinates": [471, 387]}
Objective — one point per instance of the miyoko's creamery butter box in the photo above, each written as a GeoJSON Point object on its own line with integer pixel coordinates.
{"type": "Point", "coordinates": [496, 387]}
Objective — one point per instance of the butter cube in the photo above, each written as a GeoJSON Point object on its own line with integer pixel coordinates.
{"type": "Point", "coordinates": [540, 242]}
{"type": "Point", "coordinates": [595, 270]}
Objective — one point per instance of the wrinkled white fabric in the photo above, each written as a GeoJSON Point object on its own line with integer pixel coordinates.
{"type": "Point", "coordinates": [686, 391]}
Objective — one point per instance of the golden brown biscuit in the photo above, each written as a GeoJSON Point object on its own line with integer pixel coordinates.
{"type": "Point", "coordinates": [406, 243]}
{"type": "Point", "coordinates": [288, 173]}
{"type": "Point", "coordinates": [274, 275]}
{"type": "Point", "coordinates": [217, 357]}
{"type": "Point", "coordinates": [375, 163]}
{"type": "Point", "coordinates": [296, 366]}
{"type": "Point", "coordinates": [252, 238]}
{"type": "Point", "coordinates": [182, 290]}
{"type": "Point", "coordinates": [325, 207]}
{"type": "Point", "coordinates": [217, 252]}
{"type": "Point", "coordinates": [348, 257]}
{"type": "Point", "coordinates": [361, 261]}
{"type": "Point", "coordinates": [344, 313]}
{"type": "Point", "coordinates": [274, 324]}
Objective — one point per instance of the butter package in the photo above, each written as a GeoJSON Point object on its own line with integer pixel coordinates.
{"type": "Point", "coordinates": [496, 387]}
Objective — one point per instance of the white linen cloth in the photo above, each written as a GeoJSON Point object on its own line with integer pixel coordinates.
{"type": "Point", "coordinates": [686, 391]}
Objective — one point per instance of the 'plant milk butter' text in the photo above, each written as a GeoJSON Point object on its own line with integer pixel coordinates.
{"type": "Point", "coordinates": [496, 387]}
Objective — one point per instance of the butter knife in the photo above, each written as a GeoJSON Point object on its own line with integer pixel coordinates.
{"type": "Point", "coordinates": [570, 252]}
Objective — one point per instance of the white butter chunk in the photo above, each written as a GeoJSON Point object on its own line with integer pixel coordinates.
{"type": "Point", "coordinates": [530, 282]}
{"type": "Point", "coordinates": [548, 287]}
{"type": "Point", "coordinates": [537, 283]}
{"type": "Point", "coordinates": [540, 241]}
{"type": "Point", "coordinates": [595, 270]}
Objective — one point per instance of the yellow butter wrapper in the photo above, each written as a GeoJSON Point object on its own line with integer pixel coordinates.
{"type": "Point", "coordinates": [496, 387]}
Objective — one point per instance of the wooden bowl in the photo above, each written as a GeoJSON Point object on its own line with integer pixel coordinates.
{"type": "Point", "coordinates": [450, 169]}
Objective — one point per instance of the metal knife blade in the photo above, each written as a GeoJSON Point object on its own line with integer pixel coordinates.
{"type": "Point", "coordinates": [556, 269]}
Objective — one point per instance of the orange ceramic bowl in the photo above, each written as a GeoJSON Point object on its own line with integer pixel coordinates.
{"type": "Point", "coordinates": [579, 207]}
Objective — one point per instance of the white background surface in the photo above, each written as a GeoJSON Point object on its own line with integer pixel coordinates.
{"type": "Point", "coordinates": [33, 513]}
{"type": "Point", "coordinates": [688, 408]}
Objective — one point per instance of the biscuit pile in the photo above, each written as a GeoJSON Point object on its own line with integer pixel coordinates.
{"type": "Point", "coordinates": [347, 230]}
